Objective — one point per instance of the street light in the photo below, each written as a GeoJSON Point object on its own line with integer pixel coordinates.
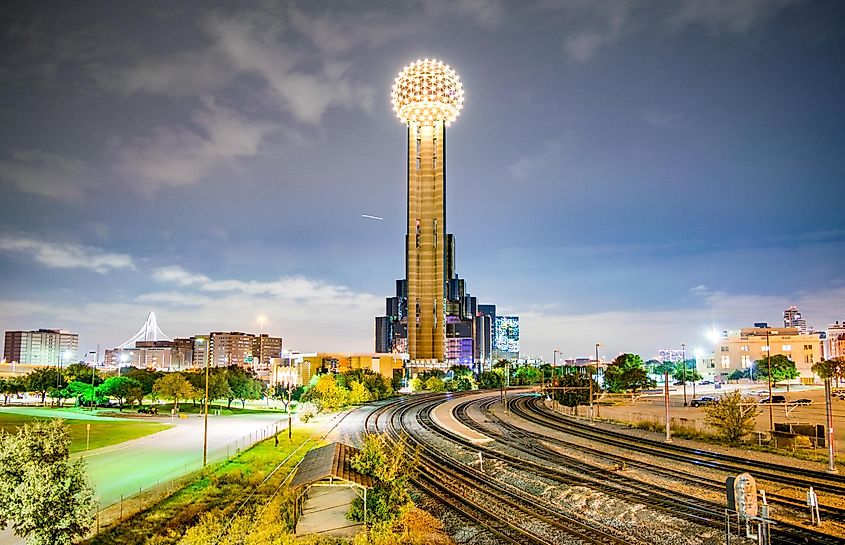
{"type": "Point", "coordinates": [124, 357]}
{"type": "Point", "coordinates": [684, 379]}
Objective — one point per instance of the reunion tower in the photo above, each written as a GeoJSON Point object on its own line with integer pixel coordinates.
{"type": "Point", "coordinates": [427, 96]}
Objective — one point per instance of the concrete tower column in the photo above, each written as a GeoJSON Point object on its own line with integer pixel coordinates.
{"type": "Point", "coordinates": [427, 96]}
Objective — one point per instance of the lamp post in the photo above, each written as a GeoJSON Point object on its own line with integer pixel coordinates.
{"type": "Point", "coordinates": [684, 379]}
{"type": "Point", "coordinates": [205, 419]}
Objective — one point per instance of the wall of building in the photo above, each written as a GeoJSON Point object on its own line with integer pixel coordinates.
{"type": "Point", "coordinates": [739, 350]}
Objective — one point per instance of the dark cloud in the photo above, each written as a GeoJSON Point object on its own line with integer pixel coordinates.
{"type": "Point", "coordinates": [679, 157]}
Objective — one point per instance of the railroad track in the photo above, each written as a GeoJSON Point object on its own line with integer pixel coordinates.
{"type": "Point", "coordinates": [614, 484]}
{"type": "Point", "coordinates": [508, 512]}
{"type": "Point", "coordinates": [829, 512]}
{"type": "Point", "coordinates": [533, 410]}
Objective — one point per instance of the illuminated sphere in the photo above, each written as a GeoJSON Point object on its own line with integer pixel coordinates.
{"type": "Point", "coordinates": [427, 91]}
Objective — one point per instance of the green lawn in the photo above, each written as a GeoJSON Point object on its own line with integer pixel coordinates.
{"type": "Point", "coordinates": [104, 432]}
{"type": "Point", "coordinates": [221, 488]}
{"type": "Point", "coordinates": [190, 408]}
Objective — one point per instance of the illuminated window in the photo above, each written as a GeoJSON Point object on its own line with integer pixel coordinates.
{"type": "Point", "coordinates": [764, 348]}
{"type": "Point", "coordinates": [746, 362]}
{"type": "Point", "coordinates": [744, 348]}
{"type": "Point", "coordinates": [786, 348]}
{"type": "Point", "coordinates": [726, 362]}
{"type": "Point", "coordinates": [808, 347]}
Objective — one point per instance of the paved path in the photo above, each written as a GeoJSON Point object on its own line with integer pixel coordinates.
{"type": "Point", "coordinates": [121, 469]}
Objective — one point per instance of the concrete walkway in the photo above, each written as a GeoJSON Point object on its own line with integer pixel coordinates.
{"type": "Point", "coordinates": [324, 513]}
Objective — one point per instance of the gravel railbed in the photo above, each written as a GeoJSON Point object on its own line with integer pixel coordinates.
{"type": "Point", "coordinates": [635, 521]}
{"type": "Point", "coordinates": [784, 513]}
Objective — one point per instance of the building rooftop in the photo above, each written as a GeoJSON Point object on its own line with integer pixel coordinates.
{"type": "Point", "coordinates": [331, 462]}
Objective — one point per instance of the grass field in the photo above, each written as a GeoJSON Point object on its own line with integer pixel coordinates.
{"type": "Point", "coordinates": [190, 408]}
{"type": "Point", "coordinates": [221, 488]}
{"type": "Point", "coordinates": [104, 432]}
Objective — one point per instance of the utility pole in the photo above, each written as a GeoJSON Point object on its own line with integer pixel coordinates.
{"type": "Point", "coordinates": [591, 381]}
{"type": "Point", "coordinates": [666, 405]}
{"type": "Point", "coordinates": [507, 383]}
{"type": "Point", "coordinates": [205, 420]}
{"type": "Point", "coordinates": [769, 378]}
{"type": "Point", "coordinates": [831, 439]}
{"type": "Point", "coordinates": [684, 379]}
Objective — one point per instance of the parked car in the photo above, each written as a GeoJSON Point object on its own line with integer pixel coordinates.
{"type": "Point", "coordinates": [803, 401]}
{"type": "Point", "coordinates": [773, 399]}
{"type": "Point", "coordinates": [703, 400]}
{"type": "Point", "coordinates": [705, 382]}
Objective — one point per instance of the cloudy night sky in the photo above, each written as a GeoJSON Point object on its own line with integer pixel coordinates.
{"type": "Point", "coordinates": [625, 172]}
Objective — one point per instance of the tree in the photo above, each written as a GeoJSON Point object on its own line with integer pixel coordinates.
{"type": "Point", "coordinates": [218, 387]}
{"type": "Point", "coordinates": [488, 380]}
{"type": "Point", "coordinates": [691, 373]}
{"type": "Point", "coordinates": [626, 372]}
{"type": "Point", "coordinates": [242, 385]}
{"type": "Point", "coordinates": [173, 386]}
{"type": "Point", "coordinates": [732, 416]}
{"type": "Point", "coordinates": [391, 465]}
{"type": "Point", "coordinates": [435, 384]}
{"type": "Point", "coordinates": [416, 384]}
{"type": "Point", "coordinates": [44, 496]}
{"type": "Point", "coordinates": [460, 371]}
{"type": "Point", "coordinates": [460, 383]}
{"type": "Point", "coordinates": [829, 369]}
{"type": "Point", "coordinates": [146, 377]}
{"type": "Point", "coordinates": [43, 380]}
{"type": "Point", "coordinates": [82, 372]}
{"type": "Point", "coordinates": [119, 387]}
{"type": "Point", "coordinates": [783, 368]}
{"type": "Point", "coordinates": [575, 397]}
{"type": "Point", "coordinates": [327, 394]}
{"type": "Point", "coordinates": [83, 392]}
{"type": "Point", "coordinates": [737, 374]}
{"type": "Point", "coordinates": [526, 375]}
{"type": "Point", "coordinates": [660, 368]}
{"type": "Point", "coordinates": [358, 393]}
{"type": "Point", "coordinates": [10, 387]}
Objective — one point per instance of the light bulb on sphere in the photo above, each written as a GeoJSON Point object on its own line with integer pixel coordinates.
{"type": "Point", "coordinates": [427, 91]}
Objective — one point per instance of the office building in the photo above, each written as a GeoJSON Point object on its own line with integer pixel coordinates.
{"type": "Point", "coordinates": [42, 347]}
{"type": "Point", "coordinates": [792, 318]}
{"type": "Point", "coordinates": [740, 349]}
{"type": "Point", "coordinates": [834, 341]}
{"type": "Point", "coordinates": [507, 337]}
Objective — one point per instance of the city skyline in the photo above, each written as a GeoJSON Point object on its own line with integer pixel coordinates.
{"type": "Point", "coordinates": [639, 173]}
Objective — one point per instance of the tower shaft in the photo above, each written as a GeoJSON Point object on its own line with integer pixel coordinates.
{"type": "Point", "coordinates": [426, 241]}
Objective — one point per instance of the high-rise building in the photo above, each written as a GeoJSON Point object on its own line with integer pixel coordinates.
{"type": "Point", "coordinates": [792, 318]}
{"type": "Point", "coordinates": [507, 337]}
{"type": "Point", "coordinates": [41, 347]}
{"type": "Point", "coordinates": [230, 348]}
